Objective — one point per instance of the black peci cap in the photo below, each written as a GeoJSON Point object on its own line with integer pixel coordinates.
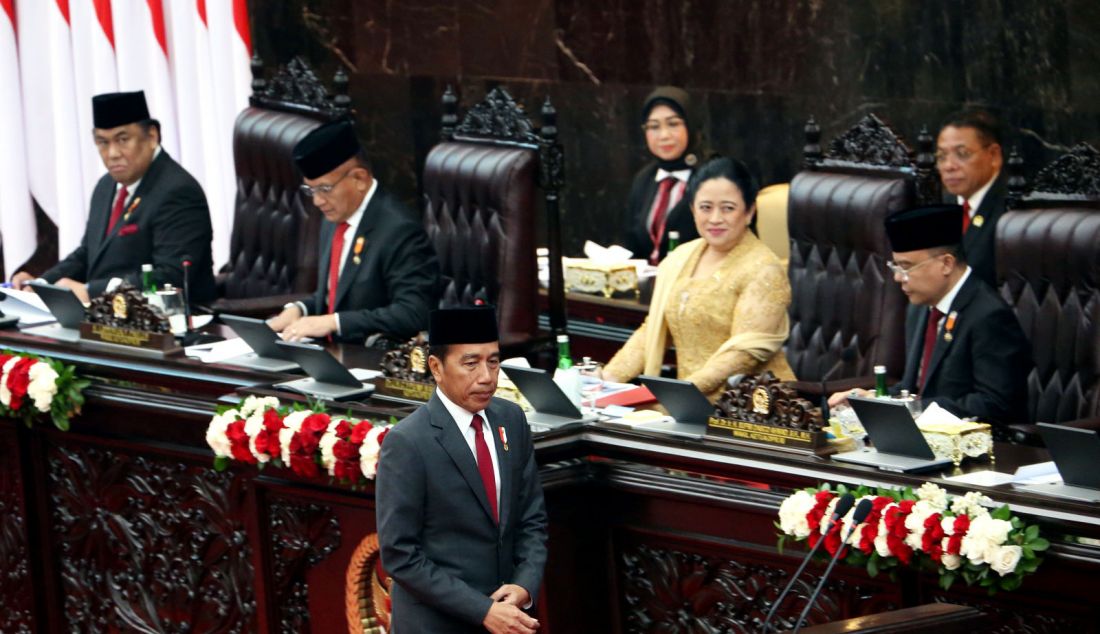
{"type": "Point", "coordinates": [463, 325]}
{"type": "Point", "coordinates": [325, 148]}
{"type": "Point", "coordinates": [113, 109]}
{"type": "Point", "coordinates": [925, 228]}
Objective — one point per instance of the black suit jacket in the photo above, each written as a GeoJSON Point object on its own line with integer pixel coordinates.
{"type": "Point", "coordinates": [436, 532]}
{"type": "Point", "coordinates": [978, 240]}
{"type": "Point", "coordinates": [635, 229]}
{"type": "Point", "coordinates": [395, 284]}
{"type": "Point", "coordinates": [982, 371]}
{"type": "Point", "coordinates": [170, 220]}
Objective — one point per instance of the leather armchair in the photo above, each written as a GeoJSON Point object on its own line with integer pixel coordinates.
{"type": "Point", "coordinates": [273, 248]}
{"type": "Point", "coordinates": [480, 208]}
{"type": "Point", "coordinates": [1048, 267]}
{"type": "Point", "coordinates": [847, 314]}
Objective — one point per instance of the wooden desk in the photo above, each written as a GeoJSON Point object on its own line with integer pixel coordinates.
{"type": "Point", "coordinates": [122, 524]}
{"type": "Point", "coordinates": [598, 326]}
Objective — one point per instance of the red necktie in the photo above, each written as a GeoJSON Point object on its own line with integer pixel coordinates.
{"type": "Point", "coordinates": [485, 465]}
{"type": "Point", "coordinates": [930, 333]}
{"type": "Point", "coordinates": [966, 215]}
{"type": "Point", "coordinates": [116, 211]}
{"type": "Point", "coordinates": [334, 264]}
{"type": "Point", "coordinates": [660, 210]}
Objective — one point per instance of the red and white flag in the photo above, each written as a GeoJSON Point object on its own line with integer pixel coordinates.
{"type": "Point", "coordinates": [94, 72]}
{"type": "Point", "coordinates": [52, 137]}
{"type": "Point", "coordinates": [141, 54]}
{"type": "Point", "coordinates": [16, 210]}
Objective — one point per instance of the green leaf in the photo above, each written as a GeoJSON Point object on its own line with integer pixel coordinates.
{"type": "Point", "coordinates": [872, 565]}
{"type": "Point", "coordinates": [947, 579]}
{"type": "Point", "coordinates": [779, 545]}
{"type": "Point", "coordinates": [1002, 513]}
{"type": "Point", "coordinates": [1032, 532]}
{"type": "Point", "coordinates": [1039, 544]}
{"type": "Point", "coordinates": [221, 463]}
{"type": "Point", "coordinates": [1011, 582]}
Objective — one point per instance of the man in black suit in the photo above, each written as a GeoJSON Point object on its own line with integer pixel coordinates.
{"type": "Point", "coordinates": [461, 519]}
{"type": "Point", "coordinates": [965, 349]}
{"type": "Point", "coordinates": [146, 210]}
{"type": "Point", "coordinates": [969, 158]}
{"type": "Point", "coordinates": [378, 272]}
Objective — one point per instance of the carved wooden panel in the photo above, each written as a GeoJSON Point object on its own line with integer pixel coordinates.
{"type": "Point", "coordinates": [1014, 617]}
{"type": "Point", "coordinates": [147, 544]}
{"type": "Point", "coordinates": [672, 589]}
{"type": "Point", "coordinates": [870, 142]}
{"type": "Point", "coordinates": [16, 602]}
{"type": "Point", "coordinates": [499, 117]}
{"type": "Point", "coordinates": [1075, 175]}
{"type": "Point", "coordinates": [301, 536]}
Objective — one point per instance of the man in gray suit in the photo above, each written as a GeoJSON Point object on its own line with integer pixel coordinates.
{"type": "Point", "coordinates": [461, 519]}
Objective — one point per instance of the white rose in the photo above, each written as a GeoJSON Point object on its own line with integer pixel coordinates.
{"type": "Point", "coordinates": [5, 393]}
{"type": "Point", "coordinates": [792, 514]}
{"type": "Point", "coordinates": [984, 536]}
{"type": "Point", "coordinates": [371, 448]}
{"type": "Point", "coordinates": [43, 386]}
{"type": "Point", "coordinates": [1005, 558]}
{"type": "Point", "coordinates": [933, 495]}
{"type": "Point", "coordinates": [253, 404]}
{"type": "Point", "coordinates": [253, 425]}
{"type": "Point", "coordinates": [326, 445]}
{"type": "Point", "coordinates": [972, 504]}
{"type": "Point", "coordinates": [951, 562]}
{"type": "Point", "coordinates": [215, 433]}
{"type": "Point", "coordinates": [948, 525]}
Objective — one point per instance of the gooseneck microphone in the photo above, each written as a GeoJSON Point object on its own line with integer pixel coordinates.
{"type": "Point", "coordinates": [847, 355]}
{"type": "Point", "coordinates": [843, 505]}
{"type": "Point", "coordinates": [860, 514]}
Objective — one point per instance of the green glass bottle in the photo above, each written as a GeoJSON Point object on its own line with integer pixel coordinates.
{"type": "Point", "coordinates": [880, 381]}
{"type": "Point", "coordinates": [565, 360]}
{"type": "Point", "coordinates": [148, 286]}
{"type": "Point", "coordinates": [673, 240]}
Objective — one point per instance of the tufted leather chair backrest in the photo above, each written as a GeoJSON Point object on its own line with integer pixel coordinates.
{"type": "Point", "coordinates": [273, 249]}
{"type": "Point", "coordinates": [843, 296]}
{"type": "Point", "coordinates": [1048, 261]}
{"type": "Point", "coordinates": [479, 209]}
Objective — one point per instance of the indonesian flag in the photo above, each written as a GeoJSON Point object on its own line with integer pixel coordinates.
{"type": "Point", "coordinates": [52, 138]}
{"type": "Point", "coordinates": [141, 53]}
{"type": "Point", "coordinates": [207, 52]}
{"type": "Point", "coordinates": [16, 211]}
{"type": "Point", "coordinates": [94, 71]}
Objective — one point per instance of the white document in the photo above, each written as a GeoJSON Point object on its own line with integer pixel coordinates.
{"type": "Point", "coordinates": [27, 306]}
{"type": "Point", "coordinates": [218, 351]}
{"type": "Point", "coordinates": [982, 478]}
{"type": "Point", "coordinates": [1038, 473]}
{"type": "Point", "coordinates": [365, 374]}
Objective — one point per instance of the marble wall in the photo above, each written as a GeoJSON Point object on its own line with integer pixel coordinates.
{"type": "Point", "coordinates": [757, 68]}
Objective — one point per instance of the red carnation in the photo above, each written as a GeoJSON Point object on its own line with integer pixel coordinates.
{"type": "Point", "coordinates": [832, 539]}
{"type": "Point", "coordinates": [382, 435]}
{"type": "Point", "coordinates": [273, 420]}
{"type": "Point", "coordinates": [304, 466]}
{"type": "Point", "coordinates": [18, 379]}
{"type": "Point", "coordinates": [813, 518]}
{"type": "Point", "coordinates": [359, 433]}
{"type": "Point", "coordinates": [869, 531]}
{"type": "Point", "coordinates": [932, 538]}
{"type": "Point", "coordinates": [238, 442]}
{"type": "Point", "coordinates": [896, 532]}
{"type": "Point", "coordinates": [959, 530]}
{"type": "Point", "coordinates": [343, 430]}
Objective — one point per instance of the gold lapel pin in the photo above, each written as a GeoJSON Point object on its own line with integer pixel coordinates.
{"type": "Point", "coordinates": [978, 221]}
{"type": "Point", "coordinates": [950, 326]}
{"type": "Point", "coordinates": [131, 208]}
{"type": "Point", "coordinates": [359, 242]}
{"type": "Point", "coordinates": [503, 437]}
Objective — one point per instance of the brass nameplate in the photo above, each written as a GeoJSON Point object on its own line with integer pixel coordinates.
{"type": "Point", "coordinates": [162, 342]}
{"type": "Point", "coordinates": [411, 390]}
{"type": "Point", "coordinates": [738, 430]}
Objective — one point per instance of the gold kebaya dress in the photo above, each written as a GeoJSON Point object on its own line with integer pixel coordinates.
{"type": "Point", "coordinates": [733, 321]}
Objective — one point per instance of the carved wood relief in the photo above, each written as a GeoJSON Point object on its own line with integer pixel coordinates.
{"type": "Point", "coordinates": [149, 546]}
{"type": "Point", "coordinates": [302, 535]}
{"type": "Point", "coordinates": [16, 602]}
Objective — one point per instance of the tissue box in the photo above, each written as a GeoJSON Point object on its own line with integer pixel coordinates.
{"type": "Point", "coordinates": [956, 440]}
{"type": "Point", "coordinates": [610, 280]}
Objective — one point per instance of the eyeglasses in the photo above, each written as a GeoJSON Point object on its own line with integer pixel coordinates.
{"type": "Point", "coordinates": [655, 126]}
{"type": "Point", "coordinates": [322, 190]}
{"type": "Point", "coordinates": [961, 155]}
{"type": "Point", "coordinates": [903, 272]}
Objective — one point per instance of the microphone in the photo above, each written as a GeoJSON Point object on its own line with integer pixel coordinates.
{"type": "Point", "coordinates": [843, 505]}
{"type": "Point", "coordinates": [860, 514]}
{"type": "Point", "coordinates": [187, 292]}
{"type": "Point", "coordinates": [847, 355]}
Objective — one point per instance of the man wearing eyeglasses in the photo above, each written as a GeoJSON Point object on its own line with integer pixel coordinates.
{"type": "Point", "coordinates": [378, 272]}
{"type": "Point", "coordinates": [969, 159]}
{"type": "Point", "coordinates": [965, 349]}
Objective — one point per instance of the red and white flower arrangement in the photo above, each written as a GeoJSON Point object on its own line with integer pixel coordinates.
{"type": "Point", "coordinates": [262, 431]}
{"type": "Point", "coordinates": [32, 386]}
{"type": "Point", "coordinates": [956, 536]}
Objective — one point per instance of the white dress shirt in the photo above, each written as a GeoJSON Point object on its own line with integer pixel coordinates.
{"type": "Point", "coordinates": [674, 196]}
{"type": "Point", "coordinates": [976, 200]}
{"type": "Point", "coordinates": [463, 419]}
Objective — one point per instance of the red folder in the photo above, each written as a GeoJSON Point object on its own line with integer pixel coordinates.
{"type": "Point", "coordinates": [628, 398]}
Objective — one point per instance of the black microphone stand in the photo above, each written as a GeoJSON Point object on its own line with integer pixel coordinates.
{"type": "Point", "coordinates": [862, 510]}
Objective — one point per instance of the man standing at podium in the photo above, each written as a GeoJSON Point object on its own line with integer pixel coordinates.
{"type": "Point", "coordinates": [965, 349]}
{"type": "Point", "coordinates": [378, 272]}
{"type": "Point", "coordinates": [461, 519]}
{"type": "Point", "coordinates": [146, 210]}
